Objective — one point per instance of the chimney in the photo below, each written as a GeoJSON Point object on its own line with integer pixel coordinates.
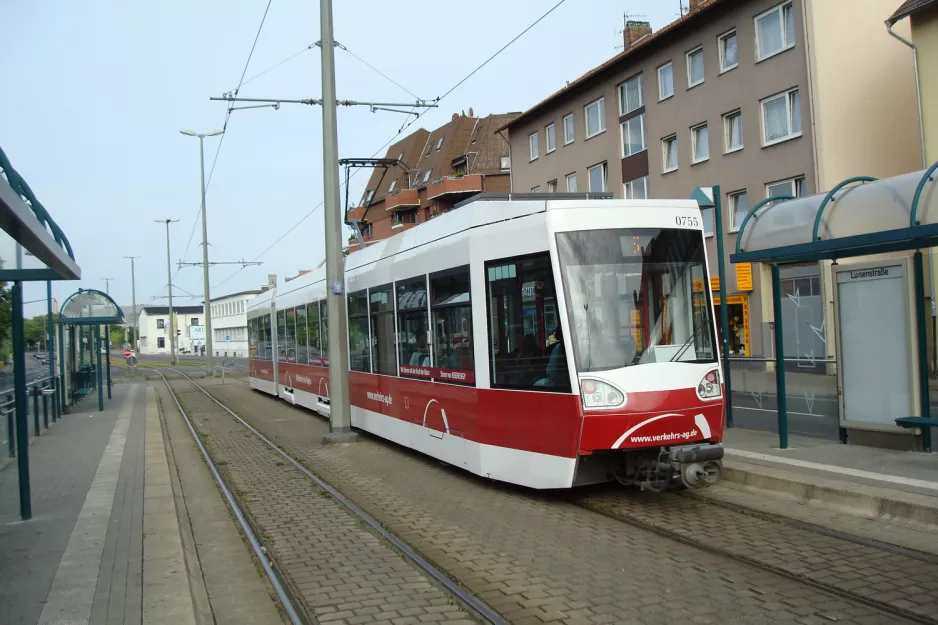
{"type": "Point", "coordinates": [635, 31]}
{"type": "Point", "coordinates": [693, 4]}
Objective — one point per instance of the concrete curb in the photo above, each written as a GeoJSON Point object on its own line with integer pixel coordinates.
{"type": "Point", "coordinates": [870, 502]}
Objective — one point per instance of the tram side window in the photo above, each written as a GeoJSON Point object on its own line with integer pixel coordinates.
{"type": "Point", "coordinates": [290, 347]}
{"type": "Point", "coordinates": [265, 338]}
{"type": "Point", "coordinates": [324, 332]}
{"type": "Point", "coordinates": [252, 338]}
{"type": "Point", "coordinates": [312, 322]}
{"type": "Point", "coordinates": [302, 336]}
{"type": "Point", "coordinates": [523, 331]}
{"type": "Point", "coordinates": [452, 325]}
{"type": "Point", "coordinates": [383, 349]}
{"type": "Point", "coordinates": [359, 339]}
{"type": "Point", "coordinates": [282, 336]}
{"type": "Point", "coordinates": [413, 326]}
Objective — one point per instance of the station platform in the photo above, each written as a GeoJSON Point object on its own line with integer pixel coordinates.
{"type": "Point", "coordinates": [107, 542]}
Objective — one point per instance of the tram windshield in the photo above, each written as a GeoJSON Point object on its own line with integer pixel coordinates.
{"type": "Point", "coordinates": [636, 296]}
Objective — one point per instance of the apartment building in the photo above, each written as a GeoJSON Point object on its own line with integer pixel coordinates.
{"type": "Point", "coordinates": [155, 324]}
{"type": "Point", "coordinates": [760, 97]}
{"type": "Point", "coordinates": [230, 323]}
{"type": "Point", "coordinates": [432, 172]}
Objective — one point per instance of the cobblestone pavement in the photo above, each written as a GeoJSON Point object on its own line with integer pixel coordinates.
{"type": "Point", "coordinates": [533, 556]}
{"type": "Point", "coordinates": [340, 569]}
{"type": "Point", "coordinates": [907, 583]}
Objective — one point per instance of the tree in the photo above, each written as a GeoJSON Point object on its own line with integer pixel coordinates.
{"type": "Point", "coordinates": [35, 329]}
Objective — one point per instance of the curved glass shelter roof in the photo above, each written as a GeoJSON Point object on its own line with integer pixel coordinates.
{"type": "Point", "coordinates": [90, 307]}
{"type": "Point", "coordinates": [859, 216]}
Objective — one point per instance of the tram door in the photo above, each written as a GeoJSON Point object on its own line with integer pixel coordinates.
{"type": "Point", "coordinates": [523, 314]}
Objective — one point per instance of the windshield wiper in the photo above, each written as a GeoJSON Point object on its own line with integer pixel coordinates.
{"type": "Point", "coordinates": [687, 343]}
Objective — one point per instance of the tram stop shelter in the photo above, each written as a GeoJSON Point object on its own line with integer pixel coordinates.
{"type": "Point", "coordinates": [32, 248]}
{"type": "Point", "coordinates": [879, 302]}
{"type": "Point", "coordinates": [82, 318]}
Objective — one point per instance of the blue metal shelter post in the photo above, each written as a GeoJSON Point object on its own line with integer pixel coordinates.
{"type": "Point", "coordinates": [724, 312]}
{"type": "Point", "coordinates": [21, 401]}
{"type": "Point", "coordinates": [97, 332]}
{"type": "Point", "coordinates": [922, 345]}
{"type": "Point", "coordinates": [107, 343]}
{"type": "Point", "coordinates": [779, 359]}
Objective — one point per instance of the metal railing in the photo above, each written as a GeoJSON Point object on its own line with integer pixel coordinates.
{"type": "Point", "coordinates": [42, 402]}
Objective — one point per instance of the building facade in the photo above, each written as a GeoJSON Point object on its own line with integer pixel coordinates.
{"type": "Point", "coordinates": [761, 97]}
{"type": "Point", "coordinates": [155, 329]}
{"type": "Point", "coordinates": [432, 172]}
{"type": "Point", "coordinates": [230, 324]}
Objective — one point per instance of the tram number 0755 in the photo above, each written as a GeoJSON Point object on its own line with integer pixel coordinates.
{"type": "Point", "coordinates": [687, 221]}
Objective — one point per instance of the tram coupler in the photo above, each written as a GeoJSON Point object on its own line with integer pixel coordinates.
{"type": "Point", "coordinates": [698, 465]}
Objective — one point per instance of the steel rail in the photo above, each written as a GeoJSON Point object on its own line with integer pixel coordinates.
{"type": "Point", "coordinates": [476, 605]}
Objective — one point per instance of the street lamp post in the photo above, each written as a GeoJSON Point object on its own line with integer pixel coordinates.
{"type": "Point", "coordinates": [107, 285]}
{"type": "Point", "coordinates": [133, 294]}
{"type": "Point", "coordinates": [169, 285]}
{"type": "Point", "coordinates": [207, 308]}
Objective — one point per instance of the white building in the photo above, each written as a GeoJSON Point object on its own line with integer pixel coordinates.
{"type": "Point", "coordinates": [154, 329]}
{"type": "Point", "coordinates": [230, 324]}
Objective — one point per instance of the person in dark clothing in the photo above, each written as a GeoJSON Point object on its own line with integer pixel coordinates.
{"type": "Point", "coordinates": [557, 372]}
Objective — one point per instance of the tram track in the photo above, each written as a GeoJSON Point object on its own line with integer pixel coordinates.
{"type": "Point", "coordinates": [667, 514]}
{"type": "Point", "coordinates": [286, 592]}
{"type": "Point", "coordinates": [655, 514]}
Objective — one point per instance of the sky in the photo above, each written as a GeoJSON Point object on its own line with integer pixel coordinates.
{"type": "Point", "coordinates": [97, 91]}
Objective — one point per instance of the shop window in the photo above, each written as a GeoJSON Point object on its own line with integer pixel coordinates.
{"type": "Point", "coordinates": [520, 294]}
{"type": "Point", "coordinates": [413, 327]}
{"type": "Point", "coordinates": [302, 336]}
{"type": "Point", "coordinates": [737, 312]}
{"type": "Point", "coordinates": [282, 336]}
{"type": "Point", "coordinates": [452, 326]}
{"type": "Point", "coordinates": [381, 310]}
{"type": "Point", "coordinates": [312, 325]}
{"type": "Point", "coordinates": [359, 337]}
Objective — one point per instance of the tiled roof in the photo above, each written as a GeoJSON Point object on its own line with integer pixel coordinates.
{"type": "Point", "coordinates": [909, 7]}
{"type": "Point", "coordinates": [411, 148]}
{"type": "Point", "coordinates": [620, 58]}
{"type": "Point", "coordinates": [490, 147]}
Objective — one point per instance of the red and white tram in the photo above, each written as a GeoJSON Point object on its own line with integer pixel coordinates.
{"type": "Point", "coordinates": [548, 343]}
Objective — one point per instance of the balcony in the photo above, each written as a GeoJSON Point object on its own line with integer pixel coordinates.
{"type": "Point", "coordinates": [356, 213]}
{"type": "Point", "coordinates": [461, 185]}
{"type": "Point", "coordinates": [407, 198]}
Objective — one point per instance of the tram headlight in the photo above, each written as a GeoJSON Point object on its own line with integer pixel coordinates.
{"type": "Point", "coordinates": [600, 395]}
{"type": "Point", "coordinates": [709, 386]}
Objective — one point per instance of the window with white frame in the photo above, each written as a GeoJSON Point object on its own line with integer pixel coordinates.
{"type": "Point", "coordinates": [551, 134]}
{"type": "Point", "coordinates": [571, 183]}
{"type": "Point", "coordinates": [637, 189]}
{"type": "Point", "coordinates": [597, 178]}
{"type": "Point", "coordinates": [393, 186]}
{"type": "Point", "coordinates": [369, 194]}
{"type": "Point", "coordinates": [732, 132]}
{"type": "Point", "coordinates": [439, 144]}
{"type": "Point", "coordinates": [595, 117]}
{"type": "Point", "coordinates": [633, 135]}
{"type": "Point", "coordinates": [695, 67]}
{"type": "Point", "coordinates": [568, 129]}
{"type": "Point", "coordinates": [699, 143]}
{"type": "Point", "coordinates": [669, 154]}
{"type": "Point", "coordinates": [532, 145]}
{"type": "Point", "coordinates": [729, 54]}
{"type": "Point", "coordinates": [739, 207]}
{"type": "Point", "coordinates": [775, 31]}
{"type": "Point", "coordinates": [665, 81]}
{"type": "Point", "coordinates": [781, 117]}
{"type": "Point", "coordinates": [505, 163]}
{"type": "Point", "coordinates": [426, 176]}
{"type": "Point", "coordinates": [536, 189]}
{"type": "Point", "coordinates": [793, 187]}
{"type": "Point", "coordinates": [552, 186]}
{"type": "Point", "coordinates": [631, 95]}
